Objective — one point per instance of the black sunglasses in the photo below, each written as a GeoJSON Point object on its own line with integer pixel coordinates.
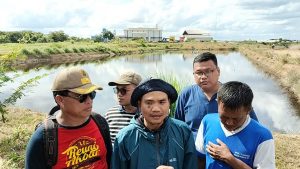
{"type": "Point", "coordinates": [82, 97]}
{"type": "Point", "coordinates": [123, 91]}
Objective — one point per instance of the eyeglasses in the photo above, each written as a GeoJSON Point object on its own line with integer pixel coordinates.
{"type": "Point", "coordinates": [82, 97]}
{"type": "Point", "coordinates": [123, 91]}
{"type": "Point", "coordinates": [207, 72]}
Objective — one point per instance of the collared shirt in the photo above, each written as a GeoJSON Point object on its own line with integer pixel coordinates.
{"type": "Point", "coordinates": [252, 143]}
{"type": "Point", "coordinates": [192, 105]}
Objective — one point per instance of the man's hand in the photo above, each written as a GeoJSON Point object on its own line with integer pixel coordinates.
{"type": "Point", "coordinates": [219, 151]}
{"type": "Point", "coordinates": [164, 167]}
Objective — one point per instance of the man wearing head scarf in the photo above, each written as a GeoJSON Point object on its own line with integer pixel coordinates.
{"type": "Point", "coordinates": [153, 139]}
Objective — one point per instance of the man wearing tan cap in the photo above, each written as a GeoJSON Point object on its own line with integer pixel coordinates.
{"type": "Point", "coordinates": [119, 116]}
{"type": "Point", "coordinates": [81, 138]}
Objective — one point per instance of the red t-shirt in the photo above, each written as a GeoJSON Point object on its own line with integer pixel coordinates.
{"type": "Point", "coordinates": [81, 147]}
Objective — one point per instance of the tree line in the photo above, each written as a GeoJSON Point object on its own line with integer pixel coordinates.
{"type": "Point", "coordinates": [56, 36]}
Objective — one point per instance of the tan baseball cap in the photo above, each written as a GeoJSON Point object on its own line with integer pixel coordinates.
{"type": "Point", "coordinates": [75, 80]}
{"type": "Point", "coordinates": [127, 78]}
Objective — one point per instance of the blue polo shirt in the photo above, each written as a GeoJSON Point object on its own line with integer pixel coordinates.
{"type": "Point", "coordinates": [192, 105]}
{"type": "Point", "coordinates": [252, 143]}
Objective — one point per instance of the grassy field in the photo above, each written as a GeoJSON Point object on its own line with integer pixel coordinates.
{"type": "Point", "coordinates": [15, 134]}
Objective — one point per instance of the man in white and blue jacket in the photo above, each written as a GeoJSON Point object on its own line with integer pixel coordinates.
{"type": "Point", "coordinates": [153, 140]}
{"type": "Point", "coordinates": [230, 138]}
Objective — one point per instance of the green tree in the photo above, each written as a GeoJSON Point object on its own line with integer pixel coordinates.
{"type": "Point", "coordinates": [98, 38]}
{"type": "Point", "coordinates": [5, 66]}
{"type": "Point", "coordinates": [14, 37]}
{"type": "Point", "coordinates": [107, 34]}
{"type": "Point", "coordinates": [104, 36]}
{"type": "Point", "coordinates": [58, 36]}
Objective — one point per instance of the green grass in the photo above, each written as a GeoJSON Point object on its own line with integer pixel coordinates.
{"type": "Point", "coordinates": [176, 83]}
{"type": "Point", "coordinates": [15, 134]}
{"type": "Point", "coordinates": [118, 47]}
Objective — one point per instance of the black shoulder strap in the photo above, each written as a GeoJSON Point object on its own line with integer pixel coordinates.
{"type": "Point", "coordinates": [104, 129]}
{"type": "Point", "coordinates": [53, 110]}
{"type": "Point", "coordinates": [50, 136]}
{"type": "Point", "coordinates": [50, 140]}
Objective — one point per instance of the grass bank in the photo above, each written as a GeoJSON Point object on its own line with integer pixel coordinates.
{"type": "Point", "coordinates": [15, 134]}
{"type": "Point", "coordinates": [283, 64]}
{"type": "Point", "coordinates": [41, 54]}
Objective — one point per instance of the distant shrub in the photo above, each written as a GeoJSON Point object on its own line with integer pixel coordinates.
{"type": "Point", "coordinates": [56, 51]}
{"type": "Point", "coordinates": [101, 49]}
{"type": "Point", "coordinates": [143, 45]}
{"type": "Point", "coordinates": [26, 52]}
{"type": "Point", "coordinates": [67, 50]}
{"type": "Point", "coordinates": [38, 52]}
{"type": "Point", "coordinates": [75, 50]}
{"type": "Point", "coordinates": [83, 50]}
{"type": "Point", "coordinates": [93, 49]}
{"type": "Point", "coordinates": [49, 51]}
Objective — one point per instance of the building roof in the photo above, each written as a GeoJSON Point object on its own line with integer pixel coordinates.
{"type": "Point", "coordinates": [142, 29]}
{"type": "Point", "coordinates": [194, 32]}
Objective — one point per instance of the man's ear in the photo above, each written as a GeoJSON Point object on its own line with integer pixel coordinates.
{"type": "Point", "coordinates": [59, 100]}
{"type": "Point", "coordinates": [218, 69]}
{"type": "Point", "coordinates": [249, 110]}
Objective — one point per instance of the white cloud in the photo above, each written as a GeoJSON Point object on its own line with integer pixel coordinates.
{"type": "Point", "coordinates": [226, 20]}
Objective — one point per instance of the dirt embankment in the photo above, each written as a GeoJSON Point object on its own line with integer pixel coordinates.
{"type": "Point", "coordinates": [283, 64]}
{"type": "Point", "coordinates": [59, 59]}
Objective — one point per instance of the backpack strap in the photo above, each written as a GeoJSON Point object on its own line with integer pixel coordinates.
{"type": "Point", "coordinates": [53, 110]}
{"type": "Point", "coordinates": [50, 135]}
{"type": "Point", "coordinates": [104, 129]}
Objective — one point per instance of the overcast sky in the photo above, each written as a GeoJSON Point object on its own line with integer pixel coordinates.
{"type": "Point", "coordinates": [224, 19]}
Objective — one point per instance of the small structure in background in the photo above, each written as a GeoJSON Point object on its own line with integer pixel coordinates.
{"type": "Point", "coordinates": [149, 34]}
{"type": "Point", "coordinates": [196, 35]}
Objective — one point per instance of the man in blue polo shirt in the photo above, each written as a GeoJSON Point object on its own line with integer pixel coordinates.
{"type": "Point", "coordinates": [231, 139]}
{"type": "Point", "coordinates": [199, 99]}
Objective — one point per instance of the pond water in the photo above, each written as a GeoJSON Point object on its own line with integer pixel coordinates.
{"type": "Point", "coordinates": [270, 103]}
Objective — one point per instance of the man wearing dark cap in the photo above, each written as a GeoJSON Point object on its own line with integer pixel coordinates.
{"type": "Point", "coordinates": [153, 139]}
{"type": "Point", "coordinates": [79, 143]}
{"type": "Point", "coordinates": [119, 116]}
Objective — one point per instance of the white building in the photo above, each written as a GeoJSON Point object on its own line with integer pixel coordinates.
{"type": "Point", "coordinates": [196, 35]}
{"type": "Point", "coordinates": [149, 34]}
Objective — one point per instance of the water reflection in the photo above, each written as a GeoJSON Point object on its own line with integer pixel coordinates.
{"type": "Point", "coordinates": [144, 59]}
{"type": "Point", "coordinates": [270, 102]}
